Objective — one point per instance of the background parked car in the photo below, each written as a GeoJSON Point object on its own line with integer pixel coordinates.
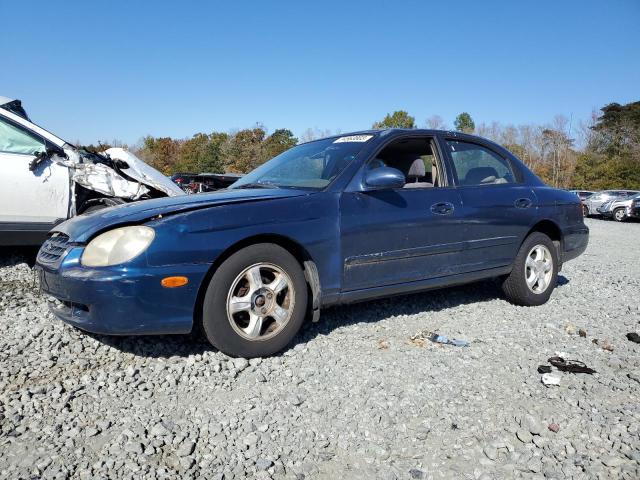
{"type": "Point", "coordinates": [634, 210]}
{"type": "Point", "coordinates": [582, 194]}
{"type": "Point", "coordinates": [594, 201]}
{"type": "Point", "coordinates": [205, 182]}
{"type": "Point", "coordinates": [45, 180]}
{"type": "Point", "coordinates": [619, 208]}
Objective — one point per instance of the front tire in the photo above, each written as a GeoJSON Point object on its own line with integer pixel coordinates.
{"type": "Point", "coordinates": [256, 302]}
{"type": "Point", "coordinates": [585, 211]}
{"type": "Point", "coordinates": [535, 272]}
{"type": "Point", "coordinates": [619, 215]}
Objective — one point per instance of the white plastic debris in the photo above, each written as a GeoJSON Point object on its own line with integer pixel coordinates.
{"type": "Point", "coordinates": [550, 379]}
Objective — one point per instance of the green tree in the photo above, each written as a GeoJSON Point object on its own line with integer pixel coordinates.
{"type": "Point", "coordinates": [464, 123]}
{"type": "Point", "coordinates": [242, 152]}
{"type": "Point", "coordinates": [596, 171]}
{"type": "Point", "coordinates": [612, 155]}
{"type": "Point", "coordinates": [618, 130]}
{"type": "Point", "coordinates": [278, 142]}
{"type": "Point", "coordinates": [397, 119]}
{"type": "Point", "coordinates": [202, 153]}
{"type": "Point", "coordinates": [161, 153]}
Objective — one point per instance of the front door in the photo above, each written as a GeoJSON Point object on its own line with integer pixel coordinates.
{"type": "Point", "coordinates": [39, 197]}
{"type": "Point", "coordinates": [402, 235]}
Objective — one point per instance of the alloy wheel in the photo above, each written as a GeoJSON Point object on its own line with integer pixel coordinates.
{"type": "Point", "coordinates": [260, 301]}
{"type": "Point", "coordinates": [538, 269]}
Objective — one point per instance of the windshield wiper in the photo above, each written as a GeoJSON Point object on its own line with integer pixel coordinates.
{"type": "Point", "coordinates": [258, 185]}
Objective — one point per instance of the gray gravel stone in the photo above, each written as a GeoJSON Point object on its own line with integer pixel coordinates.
{"type": "Point", "coordinates": [263, 464]}
{"type": "Point", "coordinates": [523, 435]}
{"type": "Point", "coordinates": [186, 448]}
{"type": "Point", "coordinates": [336, 405]}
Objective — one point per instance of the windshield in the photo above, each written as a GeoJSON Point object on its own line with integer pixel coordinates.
{"type": "Point", "coordinates": [310, 165]}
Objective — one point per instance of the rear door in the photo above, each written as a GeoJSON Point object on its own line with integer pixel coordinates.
{"type": "Point", "coordinates": [35, 198]}
{"type": "Point", "coordinates": [497, 210]}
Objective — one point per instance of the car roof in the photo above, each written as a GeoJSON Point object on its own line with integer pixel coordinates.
{"type": "Point", "coordinates": [402, 131]}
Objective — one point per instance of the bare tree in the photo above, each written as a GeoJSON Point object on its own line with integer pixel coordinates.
{"type": "Point", "coordinates": [435, 122]}
{"type": "Point", "coordinates": [315, 134]}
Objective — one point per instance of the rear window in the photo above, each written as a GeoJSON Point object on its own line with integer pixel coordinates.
{"type": "Point", "coordinates": [477, 165]}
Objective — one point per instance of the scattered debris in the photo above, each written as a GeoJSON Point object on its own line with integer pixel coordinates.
{"type": "Point", "coordinates": [572, 366]}
{"type": "Point", "coordinates": [604, 344]}
{"type": "Point", "coordinates": [437, 338]}
{"type": "Point", "coordinates": [570, 329]}
{"type": "Point", "coordinates": [582, 333]}
{"type": "Point", "coordinates": [544, 369]}
{"type": "Point", "coordinates": [383, 345]}
{"type": "Point", "coordinates": [634, 337]}
{"type": "Point", "coordinates": [419, 339]}
{"type": "Point", "coordinates": [554, 427]}
{"type": "Point", "coordinates": [550, 379]}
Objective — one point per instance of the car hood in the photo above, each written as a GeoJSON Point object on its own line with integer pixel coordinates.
{"type": "Point", "coordinates": [83, 227]}
{"type": "Point", "coordinates": [144, 173]}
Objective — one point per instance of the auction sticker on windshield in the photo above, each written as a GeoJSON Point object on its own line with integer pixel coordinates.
{"type": "Point", "coordinates": [353, 138]}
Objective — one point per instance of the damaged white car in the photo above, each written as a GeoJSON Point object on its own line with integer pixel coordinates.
{"type": "Point", "coordinates": [45, 180]}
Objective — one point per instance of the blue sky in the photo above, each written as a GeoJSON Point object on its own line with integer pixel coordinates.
{"type": "Point", "coordinates": [102, 70]}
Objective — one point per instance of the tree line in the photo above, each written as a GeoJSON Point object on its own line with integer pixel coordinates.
{"type": "Point", "coordinates": [601, 153]}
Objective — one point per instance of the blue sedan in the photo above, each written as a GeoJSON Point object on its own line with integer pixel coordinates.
{"type": "Point", "coordinates": [338, 220]}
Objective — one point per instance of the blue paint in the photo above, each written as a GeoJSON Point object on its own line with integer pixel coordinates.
{"type": "Point", "coordinates": [365, 242]}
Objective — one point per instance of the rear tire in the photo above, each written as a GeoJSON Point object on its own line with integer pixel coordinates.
{"type": "Point", "coordinates": [256, 302]}
{"type": "Point", "coordinates": [535, 272]}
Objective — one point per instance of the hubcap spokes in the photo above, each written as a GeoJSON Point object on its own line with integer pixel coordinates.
{"type": "Point", "coordinates": [260, 301]}
{"type": "Point", "coordinates": [538, 269]}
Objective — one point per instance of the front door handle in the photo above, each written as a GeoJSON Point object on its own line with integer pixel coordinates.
{"type": "Point", "coordinates": [442, 208]}
{"type": "Point", "coordinates": [523, 203]}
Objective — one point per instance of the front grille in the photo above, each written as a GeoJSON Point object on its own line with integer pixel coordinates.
{"type": "Point", "coordinates": [53, 248]}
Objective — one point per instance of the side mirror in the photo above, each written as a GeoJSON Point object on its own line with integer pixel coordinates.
{"type": "Point", "coordinates": [383, 178]}
{"type": "Point", "coordinates": [40, 157]}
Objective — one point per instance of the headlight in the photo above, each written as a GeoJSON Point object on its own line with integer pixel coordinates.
{"type": "Point", "coordinates": [117, 246]}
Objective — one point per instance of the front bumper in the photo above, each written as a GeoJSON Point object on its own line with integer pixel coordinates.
{"type": "Point", "coordinates": [121, 300]}
{"type": "Point", "coordinates": [604, 213]}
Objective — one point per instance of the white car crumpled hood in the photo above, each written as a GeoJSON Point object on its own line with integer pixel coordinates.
{"type": "Point", "coordinates": [103, 179]}
{"type": "Point", "coordinates": [144, 173]}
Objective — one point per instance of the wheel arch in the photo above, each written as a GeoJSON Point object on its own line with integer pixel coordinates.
{"type": "Point", "coordinates": [552, 230]}
{"type": "Point", "coordinates": [300, 253]}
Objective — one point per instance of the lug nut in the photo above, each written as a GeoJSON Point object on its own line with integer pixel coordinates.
{"type": "Point", "coordinates": [264, 310]}
{"type": "Point", "coordinates": [269, 296]}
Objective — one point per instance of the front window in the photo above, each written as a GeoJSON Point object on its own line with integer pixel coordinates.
{"type": "Point", "coordinates": [310, 165]}
{"type": "Point", "coordinates": [16, 140]}
{"type": "Point", "coordinates": [415, 157]}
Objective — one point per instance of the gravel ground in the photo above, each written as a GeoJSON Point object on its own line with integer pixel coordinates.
{"type": "Point", "coordinates": [354, 398]}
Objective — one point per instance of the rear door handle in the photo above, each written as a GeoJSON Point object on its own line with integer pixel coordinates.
{"type": "Point", "coordinates": [523, 203]}
{"type": "Point", "coordinates": [442, 208]}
